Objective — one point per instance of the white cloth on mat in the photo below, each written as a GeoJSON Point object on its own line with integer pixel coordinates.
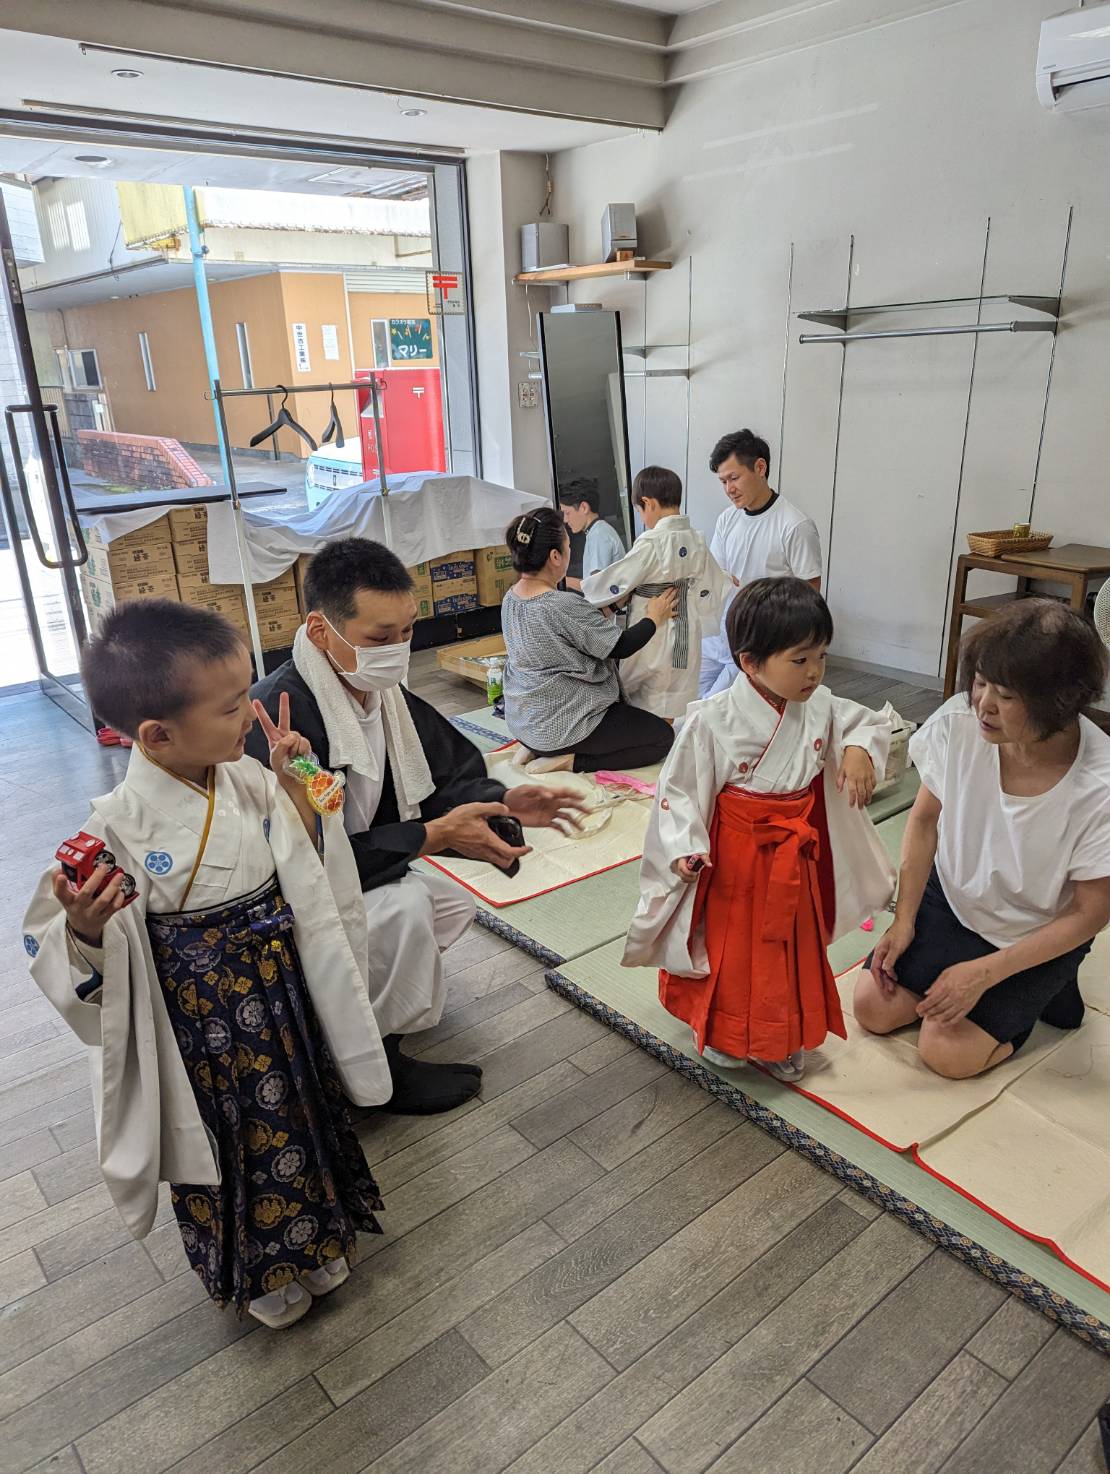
{"type": "Point", "coordinates": [411, 923]}
{"type": "Point", "coordinates": [347, 745]}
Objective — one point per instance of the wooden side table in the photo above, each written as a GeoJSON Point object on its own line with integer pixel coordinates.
{"type": "Point", "coordinates": [1074, 565]}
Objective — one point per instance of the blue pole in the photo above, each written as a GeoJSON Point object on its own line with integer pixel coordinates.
{"type": "Point", "coordinates": [204, 311]}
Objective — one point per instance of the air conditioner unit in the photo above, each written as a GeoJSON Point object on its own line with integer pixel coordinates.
{"type": "Point", "coordinates": [1073, 60]}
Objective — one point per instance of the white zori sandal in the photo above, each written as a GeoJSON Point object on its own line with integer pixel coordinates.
{"type": "Point", "coordinates": [283, 1307]}
{"type": "Point", "coordinates": [322, 1281]}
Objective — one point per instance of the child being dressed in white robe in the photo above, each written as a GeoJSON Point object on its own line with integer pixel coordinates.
{"type": "Point", "coordinates": [225, 1010]}
{"type": "Point", "coordinates": [758, 853]}
{"type": "Point", "coordinates": [670, 553]}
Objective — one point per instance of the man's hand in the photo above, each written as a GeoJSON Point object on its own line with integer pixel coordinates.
{"type": "Point", "coordinates": [91, 906]}
{"type": "Point", "coordinates": [956, 992]}
{"type": "Point", "coordinates": [857, 774]}
{"type": "Point", "coordinates": [539, 807]}
{"type": "Point", "coordinates": [888, 949]}
{"type": "Point", "coordinates": [465, 831]}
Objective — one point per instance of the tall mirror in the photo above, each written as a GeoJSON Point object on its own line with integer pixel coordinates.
{"type": "Point", "coordinates": [587, 425]}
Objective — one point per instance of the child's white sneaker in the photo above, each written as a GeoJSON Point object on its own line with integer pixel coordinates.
{"type": "Point", "coordinates": [791, 1070]}
{"type": "Point", "coordinates": [724, 1061]}
{"type": "Point", "coordinates": [322, 1281]}
{"type": "Point", "coordinates": [283, 1307]}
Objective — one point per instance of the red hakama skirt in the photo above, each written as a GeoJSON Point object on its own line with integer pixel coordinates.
{"type": "Point", "coordinates": [766, 907]}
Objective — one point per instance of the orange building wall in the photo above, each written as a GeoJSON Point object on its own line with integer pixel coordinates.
{"type": "Point", "coordinates": [269, 304]}
{"type": "Point", "coordinates": [169, 319]}
{"type": "Point", "coordinates": [365, 306]}
{"type": "Point", "coordinates": [316, 298]}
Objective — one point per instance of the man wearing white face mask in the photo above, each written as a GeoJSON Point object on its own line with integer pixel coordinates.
{"type": "Point", "coordinates": [415, 786]}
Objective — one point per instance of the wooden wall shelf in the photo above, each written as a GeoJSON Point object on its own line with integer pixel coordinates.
{"type": "Point", "coordinates": [551, 274]}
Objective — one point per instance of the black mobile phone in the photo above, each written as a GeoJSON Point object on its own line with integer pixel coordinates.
{"type": "Point", "coordinates": [508, 829]}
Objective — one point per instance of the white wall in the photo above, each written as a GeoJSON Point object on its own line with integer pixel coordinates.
{"type": "Point", "coordinates": [907, 137]}
{"type": "Point", "coordinates": [504, 192]}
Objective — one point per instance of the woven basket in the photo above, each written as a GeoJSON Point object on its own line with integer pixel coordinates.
{"type": "Point", "coordinates": [996, 544]}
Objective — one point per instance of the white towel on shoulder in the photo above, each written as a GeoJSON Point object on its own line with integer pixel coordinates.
{"type": "Point", "coordinates": [347, 748]}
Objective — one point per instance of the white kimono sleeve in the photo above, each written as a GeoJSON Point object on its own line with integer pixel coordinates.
{"type": "Point", "coordinates": [136, 1069]}
{"type": "Point", "coordinates": [865, 877]}
{"type": "Point", "coordinates": [686, 796]}
{"type": "Point", "coordinates": [713, 592]}
{"type": "Point", "coordinates": [639, 565]}
{"type": "Point", "coordinates": [330, 932]}
{"type": "Point", "coordinates": [860, 726]}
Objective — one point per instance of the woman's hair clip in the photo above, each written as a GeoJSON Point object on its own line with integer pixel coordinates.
{"type": "Point", "coordinates": [521, 535]}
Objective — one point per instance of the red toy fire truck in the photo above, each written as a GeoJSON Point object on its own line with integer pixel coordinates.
{"type": "Point", "coordinates": [83, 854]}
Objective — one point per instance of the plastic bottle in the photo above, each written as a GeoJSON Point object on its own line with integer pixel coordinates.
{"type": "Point", "coordinates": [494, 681]}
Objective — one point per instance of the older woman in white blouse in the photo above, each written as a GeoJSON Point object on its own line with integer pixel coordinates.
{"type": "Point", "coordinates": [1005, 877]}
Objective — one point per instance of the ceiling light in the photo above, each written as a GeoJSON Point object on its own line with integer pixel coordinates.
{"type": "Point", "coordinates": [414, 112]}
{"type": "Point", "coordinates": [128, 72]}
{"type": "Point", "coordinates": [95, 161]}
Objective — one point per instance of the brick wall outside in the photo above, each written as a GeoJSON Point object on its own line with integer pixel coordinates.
{"type": "Point", "coordinates": [146, 462]}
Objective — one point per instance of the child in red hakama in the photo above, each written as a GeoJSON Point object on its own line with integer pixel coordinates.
{"type": "Point", "coordinates": [759, 853]}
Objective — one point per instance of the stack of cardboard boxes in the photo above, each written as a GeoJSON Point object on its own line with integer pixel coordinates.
{"type": "Point", "coordinates": [168, 559]}
{"type": "Point", "coordinates": [137, 566]}
{"type": "Point", "coordinates": [275, 603]}
{"type": "Point", "coordinates": [457, 584]}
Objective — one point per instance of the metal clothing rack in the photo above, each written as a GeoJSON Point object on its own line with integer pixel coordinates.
{"type": "Point", "coordinates": [217, 397]}
{"type": "Point", "coordinates": [839, 317]}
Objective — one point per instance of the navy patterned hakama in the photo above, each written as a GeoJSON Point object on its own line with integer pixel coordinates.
{"type": "Point", "coordinates": [295, 1185]}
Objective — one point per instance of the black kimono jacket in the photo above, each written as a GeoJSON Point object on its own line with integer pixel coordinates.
{"type": "Point", "coordinates": [385, 850]}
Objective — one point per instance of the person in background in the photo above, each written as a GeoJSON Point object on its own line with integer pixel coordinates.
{"type": "Point", "coordinates": [1005, 878]}
{"type": "Point", "coordinates": [669, 554]}
{"type": "Point", "coordinates": [225, 1009]}
{"type": "Point", "coordinates": [415, 786]}
{"type": "Point", "coordinates": [580, 504]}
{"type": "Point", "coordinates": [562, 696]}
{"type": "Point", "coordinates": [759, 535]}
{"type": "Point", "coordinates": [759, 852]}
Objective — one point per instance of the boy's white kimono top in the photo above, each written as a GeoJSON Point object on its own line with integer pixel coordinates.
{"type": "Point", "coordinates": [663, 676]}
{"type": "Point", "coordinates": [738, 738]}
{"type": "Point", "coordinates": [149, 1128]}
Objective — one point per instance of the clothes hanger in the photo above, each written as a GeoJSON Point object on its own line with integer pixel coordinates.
{"type": "Point", "coordinates": [283, 420]}
{"type": "Point", "coordinates": [333, 427]}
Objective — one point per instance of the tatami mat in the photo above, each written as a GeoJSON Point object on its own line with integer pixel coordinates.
{"type": "Point", "coordinates": [627, 1000]}
{"type": "Point", "coordinates": [611, 833]}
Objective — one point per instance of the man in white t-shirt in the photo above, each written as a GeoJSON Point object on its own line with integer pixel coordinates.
{"type": "Point", "coordinates": [580, 505]}
{"type": "Point", "coordinates": [760, 535]}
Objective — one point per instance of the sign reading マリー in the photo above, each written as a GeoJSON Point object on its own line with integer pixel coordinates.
{"type": "Point", "coordinates": [409, 337]}
{"type": "Point", "coordinates": [445, 293]}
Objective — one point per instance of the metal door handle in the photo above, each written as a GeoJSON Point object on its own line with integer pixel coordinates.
{"type": "Point", "coordinates": [71, 558]}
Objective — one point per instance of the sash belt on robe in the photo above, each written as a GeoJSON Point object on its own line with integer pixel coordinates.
{"type": "Point", "coordinates": [680, 652]}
